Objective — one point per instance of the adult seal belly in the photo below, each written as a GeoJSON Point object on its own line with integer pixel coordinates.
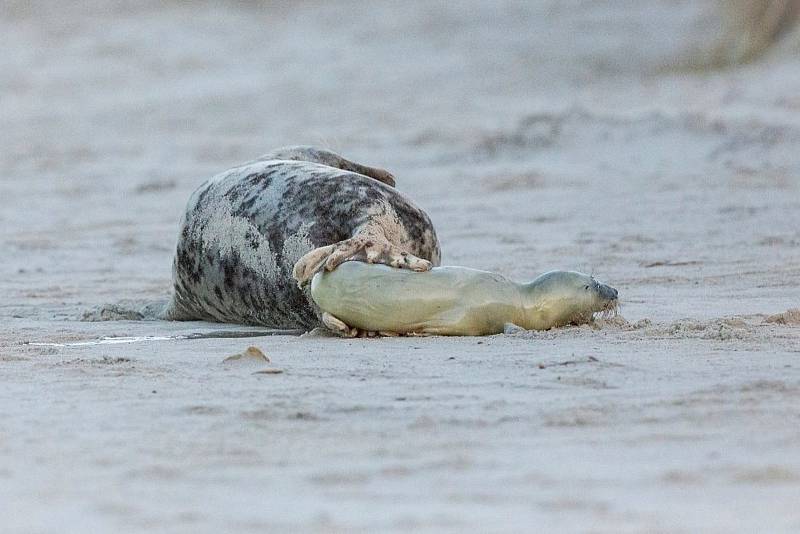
{"type": "Point", "coordinates": [453, 300]}
{"type": "Point", "coordinates": [252, 236]}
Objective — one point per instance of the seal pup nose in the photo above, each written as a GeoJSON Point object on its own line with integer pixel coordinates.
{"type": "Point", "coordinates": [607, 292]}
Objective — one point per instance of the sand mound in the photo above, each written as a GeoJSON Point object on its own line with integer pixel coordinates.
{"type": "Point", "coordinates": [125, 310]}
{"type": "Point", "coordinates": [789, 317]}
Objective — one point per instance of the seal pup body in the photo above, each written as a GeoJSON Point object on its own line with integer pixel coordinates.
{"type": "Point", "coordinates": [250, 234]}
{"type": "Point", "coordinates": [453, 300]}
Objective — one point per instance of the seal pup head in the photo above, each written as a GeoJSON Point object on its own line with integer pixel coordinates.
{"type": "Point", "coordinates": [560, 298]}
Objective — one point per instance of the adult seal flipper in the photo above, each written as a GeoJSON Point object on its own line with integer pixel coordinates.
{"type": "Point", "coordinates": [250, 234]}
{"type": "Point", "coordinates": [326, 157]}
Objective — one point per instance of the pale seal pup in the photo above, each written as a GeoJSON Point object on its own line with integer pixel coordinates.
{"type": "Point", "coordinates": [453, 300]}
{"type": "Point", "coordinates": [250, 234]}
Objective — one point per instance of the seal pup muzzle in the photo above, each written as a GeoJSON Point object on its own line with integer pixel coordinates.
{"type": "Point", "coordinates": [251, 234]}
{"type": "Point", "coordinates": [453, 300]}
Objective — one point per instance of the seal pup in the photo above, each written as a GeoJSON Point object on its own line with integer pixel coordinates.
{"type": "Point", "coordinates": [255, 233]}
{"type": "Point", "coordinates": [454, 301]}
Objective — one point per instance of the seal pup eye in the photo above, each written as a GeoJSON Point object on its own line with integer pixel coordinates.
{"type": "Point", "coordinates": [586, 287]}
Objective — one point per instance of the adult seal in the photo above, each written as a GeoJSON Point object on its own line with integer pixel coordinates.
{"type": "Point", "coordinates": [252, 236]}
{"type": "Point", "coordinates": [453, 300]}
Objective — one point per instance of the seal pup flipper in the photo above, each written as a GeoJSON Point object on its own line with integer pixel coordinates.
{"type": "Point", "coordinates": [511, 328]}
{"type": "Point", "coordinates": [338, 326]}
{"type": "Point", "coordinates": [331, 159]}
{"type": "Point", "coordinates": [367, 246]}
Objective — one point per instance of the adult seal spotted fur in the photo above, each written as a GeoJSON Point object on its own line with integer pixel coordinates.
{"type": "Point", "coordinates": [253, 235]}
{"type": "Point", "coordinates": [451, 300]}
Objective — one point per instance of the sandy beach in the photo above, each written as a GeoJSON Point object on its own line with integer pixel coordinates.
{"type": "Point", "coordinates": [537, 136]}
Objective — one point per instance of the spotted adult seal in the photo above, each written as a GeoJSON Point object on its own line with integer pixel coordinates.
{"type": "Point", "coordinates": [250, 234]}
{"type": "Point", "coordinates": [453, 300]}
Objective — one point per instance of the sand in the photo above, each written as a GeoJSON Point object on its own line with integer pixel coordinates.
{"type": "Point", "coordinates": [538, 136]}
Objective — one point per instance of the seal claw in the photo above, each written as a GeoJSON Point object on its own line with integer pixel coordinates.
{"type": "Point", "coordinates": [359, 248]}
{"type": "Point", "coordinates": [310, 264]}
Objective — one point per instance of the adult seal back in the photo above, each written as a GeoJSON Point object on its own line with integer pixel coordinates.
{"type": "Point", "coordinates": [252, 236]}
